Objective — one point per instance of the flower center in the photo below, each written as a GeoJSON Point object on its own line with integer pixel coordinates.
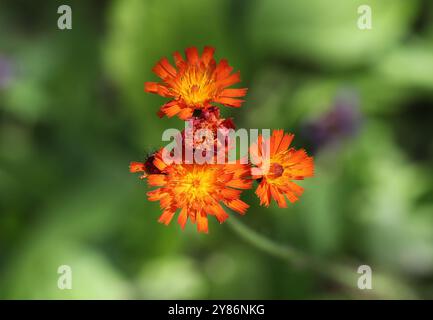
{"type": "Point", "coordinates": [196, 185]}
{"type": "Point", "coordinates": [275, 171]}
{"type": "Point", "coordinates": [196, 86]}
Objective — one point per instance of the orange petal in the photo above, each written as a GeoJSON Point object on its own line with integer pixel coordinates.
{"type": "Point", "coordinates": [178, 59]}
{"type": "Point", "coordinates": [260, 144]}
{"type": "Point", "coordinates": [235, 103]}
{"type": "Point", "coordinates": [291, 196]}
{"type": "Point", "coordinates": [183, 217]}
{"type": "Point", "coordinates": [303, 165]}
{"type": "Point", "coordinates": [168, 67]}
{"type": "Point", "coordinates": [225, 177]}
{"type": "Point", "coordinates": [164, 69]}
{"type": "Point", "coordinates": [192, 216]}
{"type": "Point", "coordinates": [170, 109]}
{"type": "Point", "coordinates": [293, 191]}
{"type": "Point", "coordinates": [237, 205]}
{"type": "Point", "coordinates": [298, 190]}
{"type": "Point", "coordinates": [219, 212]}
{"type": "Point", "coordinates": [285, 142]}
{"type": "Point", "coordinates": [202, 224]}
{"type": "Point", "coordinates": [136, 167]}
{"type": "Point", "coordinates": [155, 195]}
{"type": "Point", "coordinates": [156, 179]}
{"type": "Point", "coordinates": [159, 163]}
{"type": "Point", "coordinates": [278, 196]}
{"type": "Point", "coordinates": [157, 88]}
{"type": "Point", "coordinates": [234, 92]}
{"type": "Point", "coordinates": [230, 194]}
{"type": "Point", "coordinates": [165, 201]}
{"type": "Point", "coordinates": [160, 114]}
{"type": "Point", "coordinates": [151, 87]}
{"type": "Point", "coordinates": [276, 137]}
{"type": "Point", "coordinates": [186, 113]}
{"type": "Point", "coordinates": [192, 55]}
{"type": "Point", "coordinates": [207, 55]}
{"type": "Point", "coordinates": [166, 217]}
{"type": "Point", "coordinates": [263, 193]}
{"type": "Point", "coordinates": [240, 183]}
{"type": "Point", "coordinates": [228, 81]}
{"type": "Point", "coordinates": [223, 70]}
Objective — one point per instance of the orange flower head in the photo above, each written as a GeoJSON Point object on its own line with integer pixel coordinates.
{"type": "Point", "coordinates": [211, 123]}
{"type": "Point", "coordinates": [198, 191]}
{"type": "Point", "coordinates": [277, 170]}
{"type": "Point", "coordinates": [195, 83]}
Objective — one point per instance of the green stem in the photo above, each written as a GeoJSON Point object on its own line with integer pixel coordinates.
{"type": "Point", "coordinates": [265, 244]}
{"type": "Point", "coordinates": [339, 273]}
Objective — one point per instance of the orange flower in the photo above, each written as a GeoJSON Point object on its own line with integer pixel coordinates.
{"type": "Point", "coordinates": [195, 84]}
{"type": "Point", "coordinates": [198, 191]}
{"type": "Point", "coordinates": [211, 123]}
{"type": "Point", "coordinates": [278, 170]}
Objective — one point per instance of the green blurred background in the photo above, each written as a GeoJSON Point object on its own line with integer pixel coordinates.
{"type": "Point", "coordinates": [73, 114]}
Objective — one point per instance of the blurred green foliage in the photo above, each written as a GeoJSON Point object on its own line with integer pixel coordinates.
{"type": "Point", "coordinates": [73, 114]}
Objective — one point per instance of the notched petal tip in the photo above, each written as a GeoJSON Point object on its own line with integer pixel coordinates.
{"type": "Point", "coordinates": [135, 166]}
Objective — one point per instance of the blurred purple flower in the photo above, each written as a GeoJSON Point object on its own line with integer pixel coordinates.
{"type": "Point", "coordinates": [339, 123]}
{"type": "Point", "coordinates": [6, 72]}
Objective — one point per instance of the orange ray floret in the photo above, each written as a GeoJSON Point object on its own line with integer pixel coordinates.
{"type": "Point", "coordinates": [279, 168]}
{"type": "Point", "coordinates": [135, 167]}
{"type": "Point", "coordinates": [198, 191]}
{"type": "Point", "coordinates": [195, 83]}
